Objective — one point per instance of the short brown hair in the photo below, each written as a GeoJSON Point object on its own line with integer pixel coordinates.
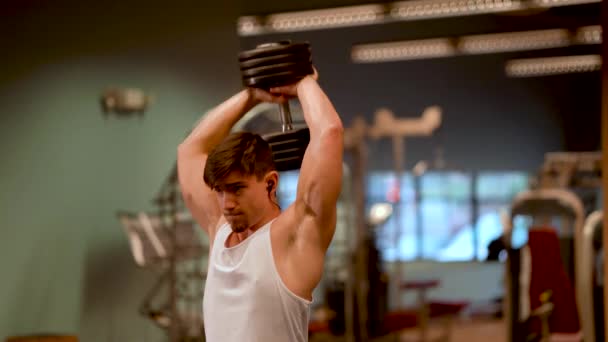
{"type": "Point", "coordinates": [243, 152]}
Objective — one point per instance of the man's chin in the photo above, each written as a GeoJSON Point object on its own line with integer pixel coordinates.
{"type": "Point", "coordinates": [237, 227]}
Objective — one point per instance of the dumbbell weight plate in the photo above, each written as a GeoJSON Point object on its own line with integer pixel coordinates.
{"type": "Point", "coordinates": [275, 75]}
{"type": "Point", "coordinates": [278, 64]}
{"type": "Point", "coordinates": [288, 148]}
{"type": "Point", "coordinates": [278, 59]}
{"type": "Point", "coordinates": [274, 80]}
{"type": "Point", "coordinates": [274, 69]}
{"type": "Point", "coordinates": [275, 49]}
{"type": "Point", "coordinates": [275, 64]}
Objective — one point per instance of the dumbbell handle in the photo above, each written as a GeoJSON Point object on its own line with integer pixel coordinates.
{"type": "Point", "coordinates": [285, 114]}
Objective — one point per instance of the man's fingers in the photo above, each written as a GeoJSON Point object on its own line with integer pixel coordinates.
{"type": "Point", "coordinates": [289, 90]}
{"type": "Point", "coordinates": [265, 96]}
{"type": "Point", "coordinates": [278, 90]}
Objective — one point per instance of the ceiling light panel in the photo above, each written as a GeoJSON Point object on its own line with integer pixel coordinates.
{"type": "Point", "coordinates": [531, 67]}
{"type": "Point", "coordinates": [408, 50]}
{"type": "Point", "coordinates": [589, 35]}
{"type": "Point", "coordinates": [249, 25]}
{"type": "Point", "coordinates": [558, 3]}
{"type": "Point", "coordinates": [514, 41]}
{"type": "Point", "coordinates": [426, 9]}
{"type": "Point", "coordinates": [326, 18]}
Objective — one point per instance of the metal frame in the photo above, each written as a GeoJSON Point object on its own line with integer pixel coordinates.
{"type": "Point", "coordinates": [168, 244]}
{"type": "Point", "coordinates": [585, 275]}
{"type": "Point", "coordinates": [544, 202]}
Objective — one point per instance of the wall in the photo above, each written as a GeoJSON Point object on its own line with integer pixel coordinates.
{"type": "Point", "coordinates": [66, 266]}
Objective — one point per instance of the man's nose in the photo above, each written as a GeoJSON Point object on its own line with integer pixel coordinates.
{"type": "Point", "coordinates": [228, 201]}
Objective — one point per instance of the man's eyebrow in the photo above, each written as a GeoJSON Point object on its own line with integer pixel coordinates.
{"type": "Point", "coordinates": [238, 183]}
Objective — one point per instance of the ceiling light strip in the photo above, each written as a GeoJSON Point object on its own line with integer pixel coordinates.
{"type": "Point", "coordinates": [249, 25]}
{"type": "Point", "coordinates": [378, 13]}
{"type": "Point", "coordinates": [396, 51]}
{"type": "Point", "coordinates": [589, 35]}
{"type": "Point", "coordinates": [475, 44]}
{"type": "Point", "coordinates": [514, 41]}
{"type": "Point", "coordinates": [558, 3]}
{"type": "Point", "coordinates": [325, 18]}
{"type": "Point", "coordinates": [531, 67]}
{"type": "Point", "coordinates": [426, 9]}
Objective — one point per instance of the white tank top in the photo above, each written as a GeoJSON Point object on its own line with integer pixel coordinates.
{"type": "Point", "coordinates": [245, 298]}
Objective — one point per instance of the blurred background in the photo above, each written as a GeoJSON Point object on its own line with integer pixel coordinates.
{"type": "Point", "coordinates": [77, 167]}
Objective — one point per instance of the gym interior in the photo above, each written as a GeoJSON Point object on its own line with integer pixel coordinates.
{"type": "Point", "coordinates": [471, 204]}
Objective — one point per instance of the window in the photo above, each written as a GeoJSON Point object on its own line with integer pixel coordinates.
{"type": "Point", "coordinates": [396, 237]}
{"type": "Point", "coordinates": [494, 192]}
{"type": "Point", "coordinates": [454, 217]}
{"type": "Point", "coordinates": [447, 233]}
{"type": "Point", "coordinates": [288, 185]}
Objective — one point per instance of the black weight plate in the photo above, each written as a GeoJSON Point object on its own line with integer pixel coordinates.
{"type": "Point", "coordinates": [274, 69]}
{"type": "Point", "coordinates": [288, 148]}
{"type": "Point", "coordinates": [288, 154]}
{"type": "Point", "coordinates": [288, 164]}
{"type": "Point", "coordinates": [274, 80]}
{"type": "Point", "coordinates": [300, 136]}
{"type": "Point", "coordinates": [273, 50]}
{"type": "Point", "coordinates": [295, 49]}
{"type": "Point", "coordinates": [269, 60]}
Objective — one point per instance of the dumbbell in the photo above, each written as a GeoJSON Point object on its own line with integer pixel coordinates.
{"type": "Point", "coordinates": [273, 65]}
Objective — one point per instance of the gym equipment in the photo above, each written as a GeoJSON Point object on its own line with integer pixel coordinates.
{"type": "Point", "coordinates": [167, 240]}
{"type": "Point", "coordinates": [571, 170]}
{"type": "Point", "coordinates": [358, 324]}
{"type": "Point", "coordinates": [386, 125]}
{"type": "Point", "coordinates": [544, 263]}
{"type": "Point", "coordinates": [273, 65]}
{"type": "Point", "coordinates": [590, 273]}
{"type": "Point", "coordinates": [155, 244]}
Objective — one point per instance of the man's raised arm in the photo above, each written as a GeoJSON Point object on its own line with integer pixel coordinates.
{"type": "Point", "coordinates": [320, 179]}
{"type": "Point", "coordinates": [193, 151]}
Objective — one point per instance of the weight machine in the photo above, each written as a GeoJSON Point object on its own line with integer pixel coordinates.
{"type": "Point", "coordinates": [562, 195]}
{"type": "Point", "coordinates": [168, 241]}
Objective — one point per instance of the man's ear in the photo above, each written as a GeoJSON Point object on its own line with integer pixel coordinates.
{"type": "Point", "coordinates": [271, 180]}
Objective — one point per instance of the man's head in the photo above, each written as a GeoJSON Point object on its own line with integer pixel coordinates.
{"type": "Point", "coordinates": [242, 173]}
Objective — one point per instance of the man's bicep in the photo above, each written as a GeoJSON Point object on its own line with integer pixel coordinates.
{"type": "Point", "coordinates": [198, 197]}
{"type": "Point", "coordinates": [321, 177]}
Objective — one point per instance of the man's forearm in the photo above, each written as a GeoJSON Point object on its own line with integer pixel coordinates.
{"type": "Point", "coordinates": [217, 123]}
{"type": "Point", "coordinates": [319, 112]}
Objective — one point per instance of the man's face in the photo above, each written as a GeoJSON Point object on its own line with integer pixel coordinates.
{"type": "Point", "coordinates": [243, 200]}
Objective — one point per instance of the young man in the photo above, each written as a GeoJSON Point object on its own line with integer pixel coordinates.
{"type": "Point", "coordinates": [264, 263]}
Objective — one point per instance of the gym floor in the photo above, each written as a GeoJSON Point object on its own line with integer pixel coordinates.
{"type": "Point", "coordinates": [479, 331]}
{"type": "Point", "coordinates": [463, 330]}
